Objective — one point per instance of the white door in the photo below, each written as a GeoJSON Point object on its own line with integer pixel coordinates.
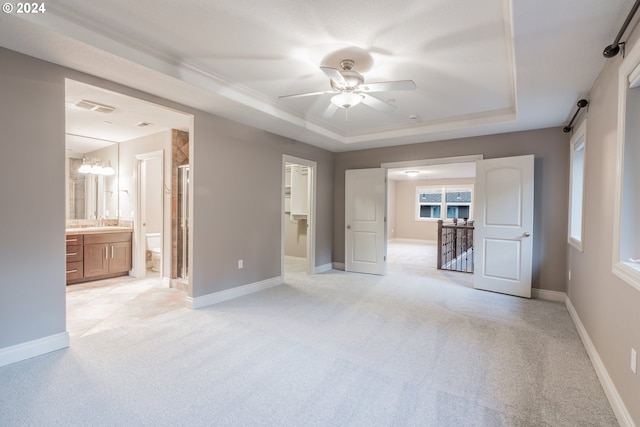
{"type": "Point", "coordinates": [504, 225]}
{"type": "Point", "coordinates": [365, 231]}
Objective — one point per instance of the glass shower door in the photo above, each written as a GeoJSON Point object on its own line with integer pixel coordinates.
{"type": "Point", "coordinates": [183, 221]}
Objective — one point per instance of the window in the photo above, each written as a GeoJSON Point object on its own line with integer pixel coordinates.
{"type": "Point", "coordinates": [626, 233]}
{"type": "Point", "coordinates": [439, 202]}
{"type": "Point", "coordinates": [576, 188]}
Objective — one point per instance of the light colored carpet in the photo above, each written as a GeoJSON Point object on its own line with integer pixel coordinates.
{"type": "Point", "coordinates": [333, 349]}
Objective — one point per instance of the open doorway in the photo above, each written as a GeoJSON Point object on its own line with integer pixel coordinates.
{"type": "Point", "coordinates": [131, 139]}
{"type": "Point", "coordinates": [149, 257]}
{"type": "Point", "coordinates": [419, 193]}
{"type": "Point", "coordinates": [298, 215]}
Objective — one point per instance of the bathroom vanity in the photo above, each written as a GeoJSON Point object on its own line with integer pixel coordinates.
{"type": "Point", "coordinates": [98, 253]}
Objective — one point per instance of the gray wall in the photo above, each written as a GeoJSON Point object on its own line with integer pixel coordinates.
{"type": "Point", "coordinates": [32, 211]}
{"type": "Point", "coordinates": [237, 189]}
{"type": "Point", "coordinates": [608, 307]}
{"type": "Point", "coordinates": [550, 147]}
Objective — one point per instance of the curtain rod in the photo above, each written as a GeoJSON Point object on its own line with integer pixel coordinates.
{"type": "Point", "coordinates": [581, 104]}
{"type": "Point", "coordinates": [613, 49]}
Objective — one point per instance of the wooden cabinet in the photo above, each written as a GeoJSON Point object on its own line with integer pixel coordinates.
{"type": "Point", "coordinates": [103, 255]}
{"type": "Point", "coordinates": [75, 257]}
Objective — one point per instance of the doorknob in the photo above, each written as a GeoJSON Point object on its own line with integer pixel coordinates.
{"type": "Point", "coordinates": [526, 234]}
{"type": "Point", "coordinates": [348, 227]}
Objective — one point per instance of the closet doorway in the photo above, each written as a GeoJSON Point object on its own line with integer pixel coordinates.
{"type": "Point", "coordinates": [298, 218]}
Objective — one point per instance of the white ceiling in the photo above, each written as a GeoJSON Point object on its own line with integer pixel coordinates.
{"type": "Point", "coordinates": [89, 130]}
{"type": "Point", "coordinates": [433, 171]}
{"type": "Point", "coordinates": [480, 66]}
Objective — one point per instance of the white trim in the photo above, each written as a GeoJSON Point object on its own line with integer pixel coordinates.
{"type": "Point", "coordinates": [311, 217]}
{"type": "Point", "coordinates": [616, 402]}
{"type": "Point", "coordinates": [338, 266]}
{"type": "Point", "coordinates": [33, 348]}
{"type": "Point", "coordinates": [547, 295]}
{"type": "Point", "coordinates": [323, 268]}
{"type": "Point", "coordinates": [166, 282]}
{"type": "Point", "coordinates": [402, 240]}
{"type": "Point", "coordinates": [140, 244]}
{"type": "Point", "coordinates": [628, 70]}
{"type": "Point", "coordinates": [577, 143]}
{"type": "Point", "coordinates": [227, 294]}
{"type": "Point", "coordinates": [428, 162]}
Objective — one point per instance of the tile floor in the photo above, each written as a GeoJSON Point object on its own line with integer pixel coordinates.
{"type": "Point", "coordinates": [105, 304]}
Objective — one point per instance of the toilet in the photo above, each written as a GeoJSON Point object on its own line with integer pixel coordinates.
{"type": "Point", "coordinates": [154, 243]}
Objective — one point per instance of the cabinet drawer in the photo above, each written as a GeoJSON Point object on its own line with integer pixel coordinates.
{"type": "Point", "coordinates": [107, 237]}
{"type": "Point", "coordinates": [74, 253]}
{"type": "Point", "coordinates": [75, 239]}
{"type": "Point", "coordinates": [75, 270]}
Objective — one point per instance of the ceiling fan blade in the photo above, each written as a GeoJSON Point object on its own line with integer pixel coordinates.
{"type": "Point", "coordinates": [385, 86]}
{"type": "Point", "coordinates": [300, 95]}
{"type": "Point", "coordinates": [377, 104]}
{"type": "Point", "coordinates": [334, 75]}
{"type": "Point", "coordinates": [328, 113]}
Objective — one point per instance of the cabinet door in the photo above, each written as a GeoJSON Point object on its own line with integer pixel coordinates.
{"type": "Point", "coordinates": [96, 261]}
{"type": "Point", "coordinates": [119, 257]}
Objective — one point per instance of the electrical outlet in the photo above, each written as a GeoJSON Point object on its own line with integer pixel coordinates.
{"type": "Point", "coordinates": [240, 263]}
{"type": "Point", "coordinates": [634, 361]}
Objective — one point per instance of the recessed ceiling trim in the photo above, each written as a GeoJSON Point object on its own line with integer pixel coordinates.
{"type": "Point", "coordinates": [65, 21]}
{"type": "Point", "coordinates": [429, 162]}
{"type": "Point", "coordinates": [463, 122]}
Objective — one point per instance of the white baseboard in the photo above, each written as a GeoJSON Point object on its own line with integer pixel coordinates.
{"type": "Point", "coordinates": [338, 266]}
{"type": "Point", "coordinates": [166, 282]}
{"type": "Point", "coordinates": [547, 295]}
{"type": "Point", "coordinates": [227, 294]}
{"type": "Point", "coordinates": [426, 242]}
{"type": "Point", "coordinates": [322, 268]}
{"type": "Point", "coordinates": [34, 348]}
{"type": "Point", "coordinates": [619, 409]}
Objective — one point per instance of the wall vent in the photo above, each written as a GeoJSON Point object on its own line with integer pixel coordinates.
{"type": "Point", "coordinates": [94, 106]}
{"type": "Point", "coordinates": [143, 124]}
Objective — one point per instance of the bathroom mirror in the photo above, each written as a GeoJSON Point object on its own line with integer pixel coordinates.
{"type": "Point", "coordinates": [92, 188]}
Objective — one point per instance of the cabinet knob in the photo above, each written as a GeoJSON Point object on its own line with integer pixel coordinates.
{"type": "Point", "coordinates": [348, 227]}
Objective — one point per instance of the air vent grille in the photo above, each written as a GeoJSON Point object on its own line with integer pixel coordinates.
{"type": "Point", "coordinates": [143, 124]}
{"type": "Point", "coordinates": [94, 106]}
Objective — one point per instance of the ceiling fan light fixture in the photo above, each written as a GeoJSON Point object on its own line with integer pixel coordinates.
{"type": "Point", "coordinates": [346, 100]}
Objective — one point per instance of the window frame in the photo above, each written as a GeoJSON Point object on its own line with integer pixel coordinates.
{"type": "Point", "coordinates": [443, 204]}
{"type": "Point", "coordinates": [577, 143]}
{"type": "Point", "coordinates": [628, 77]}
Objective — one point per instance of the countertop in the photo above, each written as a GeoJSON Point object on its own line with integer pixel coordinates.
{"type": "Point", "coordinates": [98, 230]}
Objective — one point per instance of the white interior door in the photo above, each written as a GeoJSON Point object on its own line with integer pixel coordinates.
{"type": "Point", "coordinates": [504, 225]}
{"type": "Point", "coordinates": [365, 231]}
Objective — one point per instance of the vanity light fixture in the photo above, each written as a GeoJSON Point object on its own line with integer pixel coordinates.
{"type": "Point", "coordinates": [85, 167]}
{"type": "Point", "coordinates": [96, 167]}
{"type": "Point", "coordinates": [108, 169]}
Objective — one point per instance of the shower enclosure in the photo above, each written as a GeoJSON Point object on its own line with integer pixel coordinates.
{"type": "Point", "coordinates": [183, 221]}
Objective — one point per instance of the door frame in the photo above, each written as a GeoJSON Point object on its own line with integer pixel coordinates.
{"type": "Point", "coordinates": [311, 217]}
{"type": "Point", "coordinates": [139, 259]}
{"type": "Point", "coordinates": [472, 158]}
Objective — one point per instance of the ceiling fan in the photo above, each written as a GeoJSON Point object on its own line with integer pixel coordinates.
{"type": "Point", "coordinates": [350, 90]}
